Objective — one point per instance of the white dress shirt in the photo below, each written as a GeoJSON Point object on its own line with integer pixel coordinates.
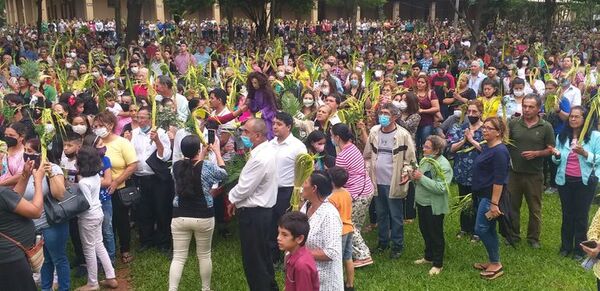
{"type": "Point", "coordinates": [144, 148]}
{"type": "Point", "coordinates": [182, 106]}
{"type": "Point", "coordinates": [286, 153]}
{"type": "Point", "coordinates": [573, 94]}
{"type": "Point", "coordinates": [257, 185]}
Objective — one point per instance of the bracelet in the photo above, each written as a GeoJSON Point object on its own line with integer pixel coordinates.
{"type": "Point", "coordinates": [493, 203]}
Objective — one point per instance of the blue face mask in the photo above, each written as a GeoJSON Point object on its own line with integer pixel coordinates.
{"type": "Point", "coordinates": [354, 83]}
{"type": "Point", "coordinates": [145, 129]}
{"type": "Point", "coordinates": [384, 120]}
{"type": "Point", "coordinates": [247, 142]}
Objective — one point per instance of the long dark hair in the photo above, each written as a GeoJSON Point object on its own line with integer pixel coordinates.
{"type": "Point", "coordinates": [263, 85]}
{"type": "Point", "coordinates": [343, 131]}
{"type": "Point", "coordinates": [567, 132]}
{"type": "Point", "coordinates": [186, 180]}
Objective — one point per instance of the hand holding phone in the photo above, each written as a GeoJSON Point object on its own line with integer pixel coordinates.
{"type": "Point", "coordinates": [590, 244]}
{"type": "Point", "coordinates": [211, 136]}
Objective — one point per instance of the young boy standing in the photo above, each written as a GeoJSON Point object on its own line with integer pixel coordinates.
{"type": "Point", "coordinates": [300, 268]}
{"type": "Point", "coordinates": [341, 199]}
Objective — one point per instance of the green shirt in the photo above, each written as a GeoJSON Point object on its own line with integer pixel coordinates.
{"type": "Point", "coordinates": [432, 191]}
{"type": "Point", "coordinates": [535, 138]}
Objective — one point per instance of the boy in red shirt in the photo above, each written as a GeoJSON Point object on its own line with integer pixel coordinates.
{"type": "Point", "coordinates": [300, 267]}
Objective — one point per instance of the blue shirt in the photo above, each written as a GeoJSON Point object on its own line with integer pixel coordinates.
{"type": "Point", "coordinates": [490, 168]}
{"type": "Point", "coordinates": [106, 165]}
{"type": "Point", "coordinates": [592, 147]}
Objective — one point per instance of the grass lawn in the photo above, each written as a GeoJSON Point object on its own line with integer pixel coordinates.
{"type": "Point", "coordinates": [525, 268]}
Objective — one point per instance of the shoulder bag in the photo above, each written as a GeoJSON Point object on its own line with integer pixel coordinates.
{"type": "Point", "coordinates": [129, 195]}
{"type": "Point", "coordinates": [35, 255]}
{"type": "Point", "coordinates": [73, 204]}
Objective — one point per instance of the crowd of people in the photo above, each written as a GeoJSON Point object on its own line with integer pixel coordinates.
{"type": "Point", "coordinates": [181, 131]}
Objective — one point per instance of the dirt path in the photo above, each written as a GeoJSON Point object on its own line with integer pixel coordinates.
{"type": "Point", "coordinates": [123, 277]}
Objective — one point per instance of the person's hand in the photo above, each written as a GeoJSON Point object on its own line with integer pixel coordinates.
{"type": "Point", "coordinates": [38, 176]}
{"type": "Point", "coordinates": [591, 252]}
{"type": "Point", "coordinates": [28, 168]}
{"type": "Point", "coordinates": [529, 155]}
{"type": "Point", "coordinates": [47, 167]}
{"type": "Point", "coordinates": [215, 148]}
{"type": "Point", "coordinates": [468, 134]}
{"type": "Point", "coordinates": [361, 125]}
{"type": "Point", "coordinates": [555, 152]}
{"type": "Point", "coordinates": [154, 135]}
{"type": "Point", "coordinates": [494, 212]}
{"type": "Point", "coordinates": [404, 179]}
{"type": "Point", "coordinates": [417, 175]}
{"type": "Point", "coordinates": [113, 187]}
{"type": "Point", "coordinates": [231, 210]}
{"type": "Point", "coordinates": [243, 107]}
{"type": "Point", "coordinates": [579, 150]}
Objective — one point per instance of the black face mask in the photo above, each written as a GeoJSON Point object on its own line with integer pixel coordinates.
{"type": "Point", "coordinates": [10, 141]}
{"type": "Point", "coordinates": [71, 155]}
{"type": "Point", "coordinates": [32, 157]}
{"type": "Point", "coordinates": [125, 106]}
{"type": "Point", "coordinates": [473, 119]}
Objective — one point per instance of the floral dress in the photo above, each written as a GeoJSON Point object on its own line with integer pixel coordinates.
{"type": "Point", "coordinates": [464, 158]}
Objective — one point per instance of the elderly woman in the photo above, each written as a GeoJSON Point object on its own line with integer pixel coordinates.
{"type": "Point", "coordinates": [325, 237]}
{"type": "Point", "coordinates": [576, 163]}
{"type": "Point", "coordinates": [431, 197]}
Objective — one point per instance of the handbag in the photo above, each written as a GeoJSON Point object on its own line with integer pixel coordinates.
{"type": "Point", "coordinates": [593, 179]}
{"type": "Point", "coordinates": [129, 195]}
{"type": "Point", "coordinates": [35, 254]}
{"type": "Point", "coordinates": [73, 204]}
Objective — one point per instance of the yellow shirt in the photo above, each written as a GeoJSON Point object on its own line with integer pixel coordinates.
{"type": "Point", "coordinates": [121, 153]}
{"type": "Point", "coordinates": [341, 199]}
{"type": "Point", "coordinates": [490, 106]}
{"type": "Point", "coordinates": [303, 76]}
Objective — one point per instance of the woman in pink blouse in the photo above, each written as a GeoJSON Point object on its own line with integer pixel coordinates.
{"type": "Point", "coordinates": [12, 162]}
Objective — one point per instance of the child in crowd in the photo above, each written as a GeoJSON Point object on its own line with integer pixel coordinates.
{"type": "Point", "coordinates": [300, 268]}
{"type": "Point", "coordinates": [341, 199]}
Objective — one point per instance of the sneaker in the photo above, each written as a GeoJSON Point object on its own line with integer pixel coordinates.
{"type": "Point", "coordinates": [563, 253]}
{"type": "Point", "coordinates": [421, 261]}
{"type": "Point", "coordinates": [395, 254]}
{"type": "Point", "coordinates": [434, 271]}
{"type": "Point", "coordinates": [475, 238]}
{"type": "Point", "coordinates": [362, 263]}
{"type": "Point", "coordinates": [551, 190]}
{"type": "Point", "coordinates": [461, 234]}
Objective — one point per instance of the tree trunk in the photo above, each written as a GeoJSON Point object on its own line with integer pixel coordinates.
{"type": "Point", "coordinates": [353, 19]}
{"type": "Point", "coordinates": [550, 9]}
{"type": "Point", "coordinates": [476, 32]}
{"type": "Point", "coordinates": [229, 16]}
{"type": "Point", "coordinates": [118, 23]}
{"type": "Point", "coordinates": [39, 21]}
{"type": "Point", "coordinates": [134, 14]}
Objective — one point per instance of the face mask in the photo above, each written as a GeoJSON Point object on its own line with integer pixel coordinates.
{"type": "Point", "coordinates": [73, 55]}
{"type": "Point", "coordinates": [354, 83]}
{"type": "Point", "coordinates": [10, 141]}
{"type": "Point", "coordinates": [101, 132]}
{"type": "Point", "coordinates": [403, 72]}
{"type": "Point", "coordinates": [135, 70]}
{"type": "Point", "coordinates": [402, 105]}
{"type": "Point", "coordinates": [473, 119]}
{"type": "Point", "coordinates": [79, 129]}
{"type": "Point", "coordinates": [525, 62]}
{"type": "Point", "coordinates": [378, 74]}
{"type": "Point", "coordinates": [145, 129]}
{"type": "Point", "coordinates": [96, 74]}
{"type": "Point", "coordinates": [247, 142]}
{"type": "Point", "coordinates": [49, 128]}
{"type": "Point", "coordinates": [319, 147]}
{"type": "Point", "coordinates": [519, 93]}
{"type": "Point", "coordinates": [325, 91]}
{"type": "Point", "coordinates": [101, 151]}
{"type": "Point", "coordinates": [308, 102]}
{"type": "Point", "coordinates": [280, 74]}
{"type": "Point", "coordinates": [68, 65]}
{"type": "Point", "coordinates": [384, 120]}
{"type": "Point", "coordinates": [125, 106]}
{"type": "Point", "coordinates": [71, 155]}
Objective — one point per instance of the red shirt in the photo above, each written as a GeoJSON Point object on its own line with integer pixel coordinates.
{"type": "Point", "coordinates": [301, 271]}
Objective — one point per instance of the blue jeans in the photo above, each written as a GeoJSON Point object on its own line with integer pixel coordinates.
{"type": "Point", "coordinates": [55, 257]}
{"type": "Point", "coordinates": [421, 135]}
{"type": "Point", "coordinates": [389, 210]}
{"type": "Point", "coordinates": [107, 229]}
{"type": "Point", "coordinates": [486, 230]}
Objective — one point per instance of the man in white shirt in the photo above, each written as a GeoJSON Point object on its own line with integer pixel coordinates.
{"type": "Point", "coordinates": [164, 87]}
{"type": "Point", "coordinates": [286, 148]}
{"type": "Point", "coordinates": [570, 92]}
{"type": "Point", "coordinates": [476, 77]}
{"type": "Point", "coordinates": [156, 188]}
{"type": "Point", "coordinates": [252, 199]}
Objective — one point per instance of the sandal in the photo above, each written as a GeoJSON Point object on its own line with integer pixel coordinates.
{"type": "Point", "coordinates": [491, 275]}
{"type": "Point", "coordinates": [481, 266]}
{"type": "Point", "coordinates": [126, 258]}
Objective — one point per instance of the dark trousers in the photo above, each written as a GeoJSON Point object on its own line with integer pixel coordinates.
{"type": "Point", "coordinates": [76, 241]}
{"type": "Point", "coordinates": [372, 212]}
{"type": "Point", "coordinates": [255, 230]}
{"type": "Point", "coordinates": [432, 229]}
{"type": "Point", "coordinates": [467, 216]}
{"type": "Point", "coordinates": [17, 276]}
{"type": "Point", "coordinates": [281, 206]}
{"type": "Point", "coordinates": [575, 200]}
{"type": "Point", "coordinates": [409, 204]}
{"type": "Point", "coordinates": [121, 227]}
{"type": "Point", "coordinates": [154, 211]}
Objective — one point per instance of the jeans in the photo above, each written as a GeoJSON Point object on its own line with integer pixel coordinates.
{"type": "Point", "coordinates": [107, 229]}
{"type": "Point", "coordinates": [486, 230]}
{"type": "Point", "coordinates": [422, 133]}
{"type": "Point", "coordinates": [183, 228]}
{"type": "Point", "coordinates": [55, 257]}
{"type": "Point", "coordinates": [575, 200]}
{"type": "Point", "coordinates": [389, 211]}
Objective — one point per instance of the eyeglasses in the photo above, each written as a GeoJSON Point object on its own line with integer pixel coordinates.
{"type": "Point", "coordinates": [488, 128]}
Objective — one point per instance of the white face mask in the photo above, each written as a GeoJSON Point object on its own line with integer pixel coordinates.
{"type": "Point", "coordinates": [49, 128]}
{"type": "Point", "coordinates": [101, 132]}
{"type": "Point", "coordinates": [135, 70]}
{"type": "Point", "coordinates": [79, 129]}
{"type": "Point", "coordinates": [68, 65]}
{"type": "Point", "coordinates": [402, 105]}
{"type": "Point", "coordinates": [280, 74]}
{"type": "Point", "coordinates": [96, 74]}
{"type": "Point", "coordinates": [519, 93]}
{"type": "Point", "coordinates": [325, 91]}
{"type": "Point", "coordinates": [73, 55]}
{"type": "Point", "coordinates": [525, 62]}
{"type": "Point", "coordinates": [308, 102]}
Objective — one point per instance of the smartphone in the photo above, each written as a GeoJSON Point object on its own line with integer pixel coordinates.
{"type": "Point", "coordinates": [590, 244]}
{"type": "Point", "coordinates": [211, 136]}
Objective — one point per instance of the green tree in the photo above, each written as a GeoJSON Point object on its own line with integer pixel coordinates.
{"type": "Point", "coordinates": [179, 8]}
{"type": "Point", "coordinates": [351, 6]}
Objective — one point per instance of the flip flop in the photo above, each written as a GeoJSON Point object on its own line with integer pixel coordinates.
{"type": "Point", "coordinates": [491, 275]}
{"type": "Point", "coordinates": [126, 258]}
{"type": "Point", "coordinates": [480, 266]}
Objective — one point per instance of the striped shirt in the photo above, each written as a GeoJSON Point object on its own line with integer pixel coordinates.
{"type": "Point", "coordinates": [358, 184]}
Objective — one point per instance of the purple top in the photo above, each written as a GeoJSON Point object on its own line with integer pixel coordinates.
{"type": "Point", "coordinates": [260, 102]}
